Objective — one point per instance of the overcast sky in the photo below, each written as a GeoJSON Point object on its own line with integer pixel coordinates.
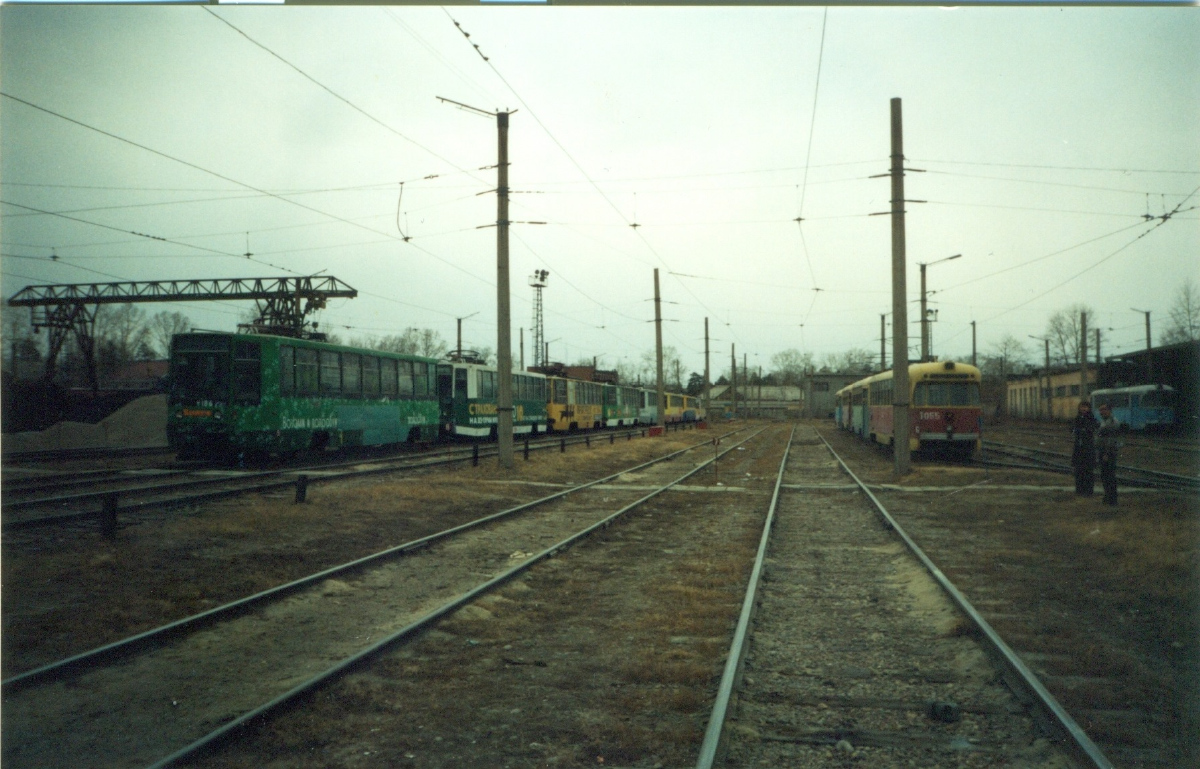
{"type": "Point", "coordinates": [1047, 137]}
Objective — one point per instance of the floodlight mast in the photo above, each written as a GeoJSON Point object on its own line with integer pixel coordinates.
{"type": "Point", "coordinates": [538, 281]}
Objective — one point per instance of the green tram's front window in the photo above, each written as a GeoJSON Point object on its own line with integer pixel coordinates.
{"type": "Point", "coordinates": [201, 375]}
{"type": "Point", "coordinates": [946, 394]}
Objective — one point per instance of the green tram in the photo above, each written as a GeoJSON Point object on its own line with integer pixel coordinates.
{"type": "Point", "coordinates": [468, 391]}
{"type": "Point", "coordinates": [252, 395]}
{"type": "Point", "coordinates": [621, 405]}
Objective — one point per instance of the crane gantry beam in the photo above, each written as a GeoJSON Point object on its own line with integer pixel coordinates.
{"type": "Point", "coordinates": [283, 304]}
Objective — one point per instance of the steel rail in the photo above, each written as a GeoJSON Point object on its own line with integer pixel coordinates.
{"type": "Point", "coordinates": [69, 454]}
{"type": "Point", "coordinates": [214, 738]}
{"type": "Point", "coordinates": [1154, 478]}
{"type": "Point", "coordinates": [714, 734]}
{"type": "Point", "coordinates": [132, 644]}
{"type": "Point", "coordinates": [1069, 732]}
{"type": "Point", "coordinates": [398, 464]}
{"type": "Point", "coordinates": [1165, 476]}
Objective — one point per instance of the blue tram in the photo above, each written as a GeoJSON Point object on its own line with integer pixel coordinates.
{"type": "Point", "coordinates": [1142, 407]}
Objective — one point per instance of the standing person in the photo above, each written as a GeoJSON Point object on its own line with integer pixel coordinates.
{"type": "Point", "coordinates": [1108, 442]}
{"type": "Point", "coordinates": [1083, 453]}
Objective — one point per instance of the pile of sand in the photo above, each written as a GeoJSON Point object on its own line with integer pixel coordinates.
{"type": "Point", "coordinates": [139, 424]}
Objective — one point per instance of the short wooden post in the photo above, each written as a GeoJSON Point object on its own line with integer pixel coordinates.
{"type": "Point", "coordinates": [108, 515]}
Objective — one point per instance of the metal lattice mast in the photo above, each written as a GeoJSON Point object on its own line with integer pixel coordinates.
{"type": "Point", "coordinates": [538, 282]}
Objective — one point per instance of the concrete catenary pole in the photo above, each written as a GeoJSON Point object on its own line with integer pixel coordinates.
{"type": "Point", "coordinates": [973, 363]}
{"type": "Point", "coordinates": [522, 349]}
{"type": "Point", "coordinates": [504, 403]}
{"type": "Point", "coordinates": [899, 300]}
{"type": "Point", "coordinates": [658, 353]}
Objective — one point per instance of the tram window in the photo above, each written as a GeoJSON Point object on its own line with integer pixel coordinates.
{"type": "Point", "coordinates": [1112, 400]}
{"type": "Point", "coordinates": [1075, 389]}
{"type": "Point", "coordinates": [306, 372]}
{"type": "Point", "coordinates": [387, 375]}
{"type": "Point", "coordinates": [351, 375]}
{"type": "Point", "coordinates": [1060, 391]}
{"type": "Point", "coordinates": [247, 372]}
{"type": "Point", "coordinates": [331, 373]}
{"type": "Point", "coordinates": [559, 391]}
{"type": "Point", "coordinates": [421, 386]}
{"type": "Point", "coordinates": [287, 369]}
{"type": "Point", "coordinates": [946, 394]}
{"type": "Point", "coordinates": [370, 382]}
{"type": "Point", "coordinates": [460, 384]}
{"type": "Point", "coordinates": [1156, 399]}
{"type": "Point", "coordinates": [487, 385]}
{"type": "Point", "coordinates": [199, 375]}
{"type": "Point", "coordinates": [406, 378]}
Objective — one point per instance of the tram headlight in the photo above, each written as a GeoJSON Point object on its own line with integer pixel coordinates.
{"type": "Point", "coordinates": [217, 415]}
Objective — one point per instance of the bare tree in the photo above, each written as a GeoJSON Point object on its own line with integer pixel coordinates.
{"type": "Point", "coordinates": [852, 361]}
{"type": "Point", "coordinates": [164, 325]}
{"type": "Point", "coordinates": [1009, 355]}
{"type": "Point", "coordinates": [647, 370]}
{"type": "Point", "coordinates": [1184, 314]}
{"type": "Point", "coordinates": [414, 341]}
{"type": "Point", "coordinates": [791, 364]}
{"type": "Point", "coordinates": [1062, 329]}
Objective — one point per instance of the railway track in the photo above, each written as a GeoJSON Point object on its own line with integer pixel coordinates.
{"type": "Point", "coordinates": [112, 493]}
{"type": "Point", "coordinates": [1042, 459]}
{"type": "Point", "coordinates": [852, 645]}
{"type": "Point", "coordinates": [167, 694]}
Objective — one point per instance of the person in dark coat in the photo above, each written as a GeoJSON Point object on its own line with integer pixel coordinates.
{"type": "Point", "coordinates": [1083, 453]}
{"type": "Point", "coordinates": [1108, 442]}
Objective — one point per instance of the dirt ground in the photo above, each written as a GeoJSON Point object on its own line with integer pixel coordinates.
{"type": "Point", "coordinates": [1137, 570]}
{"type": "Point", "coordinates": [66, 591]}
{"type": "Point", "coordinates": [1117, 589]}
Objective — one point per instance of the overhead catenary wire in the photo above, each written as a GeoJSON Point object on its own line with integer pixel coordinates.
{"type": "Point", "coordinates": [566, 153]}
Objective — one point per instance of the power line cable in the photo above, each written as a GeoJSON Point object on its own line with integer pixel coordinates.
{"type": "Point", "coordinates": [566, 153]}
{"type": "Point", "coordinates": [233, 181]}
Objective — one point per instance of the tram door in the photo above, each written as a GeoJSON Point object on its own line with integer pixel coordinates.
{"type": "Point", "coordinates": [445, 394]}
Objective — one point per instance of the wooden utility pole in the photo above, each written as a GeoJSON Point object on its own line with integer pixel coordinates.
{"type": "Point", "coordinates": [924, 318]}
{"type": "Point", "coordinates": [658, 352]}
{"type": "Point", "coordinates": [706, 369]}
{"type": "Point", "coordinates": [1149, 359]}
{"type": "Point", "coordinates": [733, 375]}
{"type": "Point", "coordinates": [899, 300]}
{"type": "Point", "coordinates": [1083, 367]}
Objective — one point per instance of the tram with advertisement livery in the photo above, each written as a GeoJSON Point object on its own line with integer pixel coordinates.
{"type": "Point", "coordinates": [945, 414]}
